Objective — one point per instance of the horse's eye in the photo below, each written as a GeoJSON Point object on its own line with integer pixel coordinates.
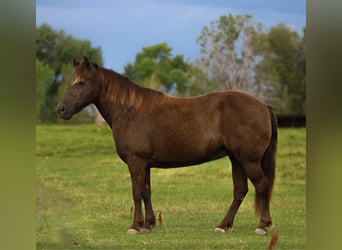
{"type": "Point", "coordinates": [81, 83]}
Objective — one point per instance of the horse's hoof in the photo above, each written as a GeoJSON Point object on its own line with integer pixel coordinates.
{"type": "Point", "coordinates": [219, 230]}
{"type": "Point", "coordinates": [260, 231]}
{"type": "Point", "coordinates": [132, 231]}
{"type": "Point", "coordinates": [145, 230]}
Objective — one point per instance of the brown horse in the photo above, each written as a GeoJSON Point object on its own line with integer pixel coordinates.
{"type": "Point", "coordinates": [152, 129]}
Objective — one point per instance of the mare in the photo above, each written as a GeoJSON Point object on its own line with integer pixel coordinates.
{"type": "Point", "coordinates": [154, 130]}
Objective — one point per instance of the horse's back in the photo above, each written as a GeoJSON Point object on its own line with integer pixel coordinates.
{"type": "Point", "coordinates": [226, 107]}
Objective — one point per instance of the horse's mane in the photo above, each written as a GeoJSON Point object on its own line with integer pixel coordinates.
{"type": "Point", "coordinates": [121, 90]}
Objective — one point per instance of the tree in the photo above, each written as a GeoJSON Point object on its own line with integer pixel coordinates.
{"type": "Point", "coordinates": [154, 67]}
{"type": "Point", "coordinates": [44, 78]}
{"type": "Point", "coordinates": [228, 53]}
{"type": "Point", "coordinates": [239, 53]}
{"type": "Point", "coordinates": [280, 74]}
{"type": "Point", "coordinates": [55, 49]}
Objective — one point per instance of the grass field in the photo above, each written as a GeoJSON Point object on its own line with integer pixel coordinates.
{"type": "Point", "coordinates": [84, 197]}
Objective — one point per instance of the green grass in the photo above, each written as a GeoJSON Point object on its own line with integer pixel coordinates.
{"type": "Point", "coordinates": [84, 197]}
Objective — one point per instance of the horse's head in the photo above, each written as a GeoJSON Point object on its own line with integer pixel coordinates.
{"type": "Point", "coordinates": [81, 91]}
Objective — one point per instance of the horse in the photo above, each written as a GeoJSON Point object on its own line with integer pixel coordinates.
{"type": "Point", "coordinates": [152, 129]}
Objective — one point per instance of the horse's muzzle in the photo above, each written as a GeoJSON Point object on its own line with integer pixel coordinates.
{"type": "Point", "coordinates": [62, 113]}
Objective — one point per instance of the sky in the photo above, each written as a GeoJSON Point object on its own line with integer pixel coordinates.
{"type": "Point", "coordinates": [123, 27]}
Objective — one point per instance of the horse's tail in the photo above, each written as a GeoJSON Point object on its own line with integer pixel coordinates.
{"type": "Point", "coordinates": [269, 159]}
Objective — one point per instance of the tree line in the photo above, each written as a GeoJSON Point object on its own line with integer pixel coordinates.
{"type": "Point", "coordinates": [236, 52]}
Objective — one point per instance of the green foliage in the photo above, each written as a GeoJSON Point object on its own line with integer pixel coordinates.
{"type": "Point", "coordinates": [281, 73]}
{"type": "Point", "coordinates": [238, 53]}
{"type": "Point", "coordinates": [84, 197]}
{"type": "Point", "coordinates": [154, 67]}
{"type": "Point", "coordinates": [228, 55]}
{"type": "Point", "coordinates": [44, 78]}
{"type": "Point", "coordinates": [55, 48]}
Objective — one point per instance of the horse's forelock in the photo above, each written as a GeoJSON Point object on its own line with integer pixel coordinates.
{"type": "Point", "coordinates": [75, 79]}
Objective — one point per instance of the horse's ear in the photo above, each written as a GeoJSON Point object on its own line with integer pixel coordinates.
{"type": "Point", "coordinates": [86, 60]}
{"type": "Point", "coordinates": [75, 62]}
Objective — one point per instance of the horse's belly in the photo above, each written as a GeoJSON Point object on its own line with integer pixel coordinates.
{"type": "Point", "coordinates": [180, 157]}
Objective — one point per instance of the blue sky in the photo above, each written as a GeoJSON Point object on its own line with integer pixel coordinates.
{"type": "Point", "coordinates": [122, 27]}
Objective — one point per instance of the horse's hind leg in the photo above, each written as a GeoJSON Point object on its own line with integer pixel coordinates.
{"type": "Point", "coordinates": [240, 191]}
{"type": "Point", "coordinates": [255, 174]}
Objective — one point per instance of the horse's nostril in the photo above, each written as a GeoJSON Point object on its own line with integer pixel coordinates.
{"type": "Point", "coordinates": [63, 112]}
{"type": "Point", "coordinates": [60, 109]}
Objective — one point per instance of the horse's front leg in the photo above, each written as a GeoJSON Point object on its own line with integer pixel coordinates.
{"type": "Point", "coordinates": [150, 219]}
{"type": "Point", "coordinates": [137, 170]}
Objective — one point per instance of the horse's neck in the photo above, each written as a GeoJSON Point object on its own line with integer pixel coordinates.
{"type": "Point", "coordinates": [103, 104]}
{"type": "Point", "coordinates": [104, 111]}
{"type": "Point", "coordinates": [122, 102]}
{"type": "Point", "coordinates": [112, 111]}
